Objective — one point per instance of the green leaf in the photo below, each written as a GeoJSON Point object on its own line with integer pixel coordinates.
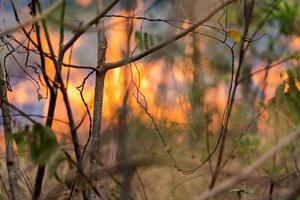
{"type": "Point", "coordinates": [42, 144]}
{"type": "Point", "coordinates": [286, 16]}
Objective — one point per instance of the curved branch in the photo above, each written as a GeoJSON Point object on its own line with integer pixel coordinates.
{"type": "Point", "coordinates": [85, 27]}
{"type": "Point", "coordinates": [248, 171]}
{"type": "Point", "coordinates": [161, 45]}
{"type": "Point", "coordinates": [33, 20]}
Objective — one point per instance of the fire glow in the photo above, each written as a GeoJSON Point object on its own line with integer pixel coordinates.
{"type": "Point", "coordinates": [150, 75]}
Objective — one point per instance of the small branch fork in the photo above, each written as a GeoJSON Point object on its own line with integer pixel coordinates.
{"type": "Point", "coordinates": [7, 123]}
{"type": "Point", "coordinates": [103, 67]}
{"type": "Point", "coordinates": [248, 171]}
{"type": "Point", "coordinates": [108, 66]}
{"type": "Point", "coordinates": [57, 60]}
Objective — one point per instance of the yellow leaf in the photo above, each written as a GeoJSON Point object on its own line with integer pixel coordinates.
{"type": "Point", "coordinates": [235, 35]}
{"type": "Point", "coordinates": [284, 76]}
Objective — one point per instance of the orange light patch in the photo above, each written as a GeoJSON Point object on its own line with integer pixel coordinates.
{"type": "Point", "coordinates": [295, 42]}
{"type": "Point", "coordinates": [84, 3]}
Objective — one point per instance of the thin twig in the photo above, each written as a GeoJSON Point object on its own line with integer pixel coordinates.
{"type": "Point", "coordinates": [248, 171]}
{"type": "Point", "coordinates": [33, 20]}
{"type": "Point", "coordinates": [128, 60]}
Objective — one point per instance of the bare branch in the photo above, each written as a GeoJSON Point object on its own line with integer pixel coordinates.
{"type": "Point", "coordinates": [10, 158]}
{"type": "Point", "coordinates": [126, 61]}
{"type": "Point", "coordinates": [248, 171]}
{"type": "Point", "coordinates": [33, 20]}
{"type": "Point", "coordinates": [85, 27]}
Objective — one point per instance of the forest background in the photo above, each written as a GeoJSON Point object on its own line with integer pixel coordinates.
{"type": "Point", "coordinates": [150, 99]}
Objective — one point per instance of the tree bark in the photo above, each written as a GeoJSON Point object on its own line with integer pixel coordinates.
{"type": "Point", "coordinates": [10, 158]}
{"type": "Point", "coordinates": [98, 102]}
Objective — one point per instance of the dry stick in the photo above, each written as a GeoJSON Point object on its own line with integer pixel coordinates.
{"type": "Point", "coordinates": [142, 184]}
{"type": "Point", "coordinates": [25, 115]}
{"type": "Point", "coordinates": [291, 56]}
{"type": "Point", "coordinates": [105, 67]}
{"type": "Point", "coordinates": [38, 46]}
{"type": "Point", "coordinates": [69, 68]}
{"type": "Point", "coordinates": [272, 65]}
{"type": "Point", "coordinates": [90, 183]}
{"type": "Point", "coordinates": [26, 180]}
{"type": "Point", "coordinates": [67, 154]}
{"type": "Point", "coordinates": [48, 55]}
{"type": "Point", "coordinates": [108, 66]}
{"type": "Point", "coordinates": [99, 88]}
{"type": "Point", "coordinates": [85, 27]}
{"type": "Point", "coordinates": [49, 121]}
{"type": "Point", "coordinates": [232, 97]}
{"type": "Point", "coordinates": [122, 131]}
{"type": "Point", "coordinates": [40, 116]}
{"type": "Point", "coordinates": [10, 158]}
{"type": "Point", "coordinates": [248, 171]}
{"type": "Point", "coordinates": [161, 45]}
{"type": "Point", "coordinates": [100, 75]}
{"type": "Point", "coordinates": [33, 20]}
{"type": "Point", "coordinates": [53, 97]}
{"type": "Point", "coordinates": [58, 79]}
{"type": "Point", "coordinates": [128, 60]}
{"type": "Point", "coordinates": [98, 101]}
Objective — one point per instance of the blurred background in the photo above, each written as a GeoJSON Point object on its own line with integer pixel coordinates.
{"type": "Point", "coordinates": [180, 92]}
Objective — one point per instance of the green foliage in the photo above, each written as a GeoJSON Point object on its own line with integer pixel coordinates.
{"type": "Point", "coordinates": [41, 145]}
{"type": "Point", "coordinates": [286, 16]}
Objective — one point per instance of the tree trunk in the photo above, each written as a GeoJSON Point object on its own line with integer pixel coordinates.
{"type": "Point", "coordinates": [98, 102]}
{"type": "Point", "coordinates": [10, 160]}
